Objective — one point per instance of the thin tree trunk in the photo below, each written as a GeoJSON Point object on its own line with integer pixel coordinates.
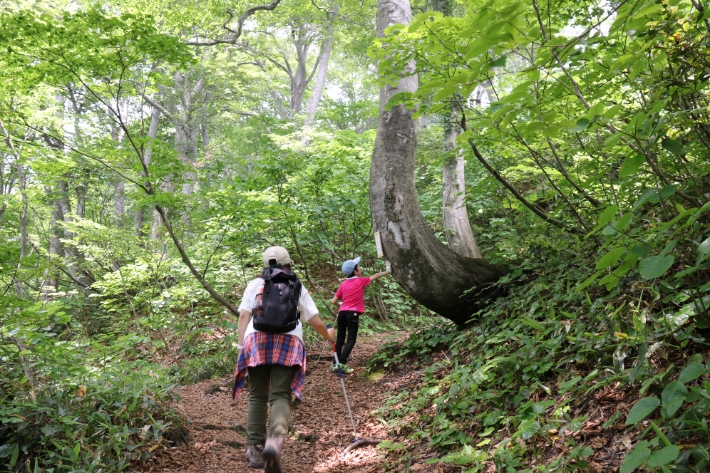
{"type": "Point", "coordinates": [81, 191]}
{"type": "Point", "coordinates": [55, 246]}
{"type": "Point", "coordinates": [322, 75]}
{"type": "Point", "coordinates": [456, 225]}
{"type": "Point", "coordinates": [139, 217]}
{"type": "Point", "coordinates": [299, 81]}
{"type": "Point", "coordinates": [430, 272]}
{"type": "Point", "coordinates": [119, 202]}
{"type": "Point", "coordinates": [25, 204]}
{"type": "Point", "coordinates": [23, 223]}
{"type": "Point", "coordinates": [457, 228]}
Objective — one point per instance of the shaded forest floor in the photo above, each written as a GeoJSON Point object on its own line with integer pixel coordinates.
{"type": "Point", "coordinates": [320, 427]}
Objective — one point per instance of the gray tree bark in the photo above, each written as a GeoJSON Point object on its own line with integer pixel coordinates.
{"type": "Point", "coordinates": [147, 157]}
{"type": "Point", "coordinates": [457, 228]}
{"type": "Point", "coordinates": [322, 74]}
{"type": "Point", "coordinates": [430, 272]}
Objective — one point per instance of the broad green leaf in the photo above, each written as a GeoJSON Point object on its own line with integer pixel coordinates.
{"type": "Point", "coordinates": [673, 397]}
{"type": "Point", "coordinates": [641, 409]}
{"type": "Point", "coordinates": [631, 165]}
{"type": "Point", "coordinates": [623, 223]}
{"type": "Point", "coordinates": [668, 191]}
{"type": "Point", "coordinates": [551, 131]}
{"type": "Point", "coordinates": [534, 127]}
{"type": "Point", "coordinates": [645, 197]}
{"type": "Point", "coordinates": [663, 456]}
{"type": "Point", "coordinates": [621, 61]}
{"type": "Point", "coordinates": [608, 215]}
{"type": "Point", "coordinates": [528, 428]}
{"type": "Point", "coordinates": [641, 250]}
{"type": "Point", "coordinates": [691, 372]}
{"type": "Point", "coordinates": [635, 459]}
{"type": "Point", "coordinates": [610, 258]}
{"type": "Point", "coordinates": [581, 125]}
{"type": "Point", "coordinates": [655, 266]}
{"type": "Point", "coordinates": [488, 431]}
{"type": "Point", "coordinates": [673, 146]}
{"type": "Point", "coordinates": [500, 62]}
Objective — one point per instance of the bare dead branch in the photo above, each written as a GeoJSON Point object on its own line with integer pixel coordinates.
{"type": "Point", "coordinates": [240, 25]}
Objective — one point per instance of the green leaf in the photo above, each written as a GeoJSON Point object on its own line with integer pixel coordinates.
{"type": "Point", "coordinates": [655, 266]}
{"type": "Point", "coordinates": [551, 131]}
{"type": "Point", "coordinates": [488, 431]}
{"type": "Point", "coordinates": [533, 323]}
{"type": "Point", "coordinates": [691, 372]}
{"type": "Point", "coordinates": [673, 146]}
{"type": "Point", "coordinates": [500, 62]}
{"type": "Point", "coordinates": [663, 456]}
{"type": "Point", "coordinates": [631, 165]}
{"type": "Point", "coordinates": [608, 215]}
{"type": "Point", "coordinates": [6, 450]}
{"type": "Point", "coordinates": [641, 409]}
{"type": "Point", "coordinates": [668, 191]}
{"type": "Point", "coordinates": [669, 247]}
{"type": "Point", "coordinates": [15, 455]}
{"type": "Point", "coordinates": [581, 125]}
{"type": "Point", "coordinates": [589, 280]}
{"type": "Point", "coordinates": [635, 458]}
{"type": "Point", "coordinates": [641, 250]}
{"type": "Point", "coordinates": [623, 223]}
{"type": "Point", "coordinates": [673, 397]}
{"type": "Point", "coordinates": [528, 428]}
{"type": "Point", "coordinates": [704, 247]}
{"type": "Point", "coordinates": [534, 127]}
{"type": "Point", "coordinates": [610, 258]}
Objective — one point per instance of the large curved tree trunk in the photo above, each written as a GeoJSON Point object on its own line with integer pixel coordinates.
{"type": "Point", "coordinates": [431, 273]}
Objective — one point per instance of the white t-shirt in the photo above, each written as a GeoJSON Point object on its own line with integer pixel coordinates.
{"type": "Point", "coordinates": [306, 307]}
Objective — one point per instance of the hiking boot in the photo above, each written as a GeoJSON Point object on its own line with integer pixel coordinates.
{"type": "Point", "coordinates": [255, 456]}
{"type": "Point", "coordinates": [345, 369]}
{"type": "Point", "coordinates": [272, 454]}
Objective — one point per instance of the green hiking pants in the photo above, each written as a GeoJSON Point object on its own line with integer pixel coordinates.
{"type": "Point", "coordinates": [269, 388]}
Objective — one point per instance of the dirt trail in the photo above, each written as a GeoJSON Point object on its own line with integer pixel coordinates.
{"type": "Point", "coordinates": [320, 426]}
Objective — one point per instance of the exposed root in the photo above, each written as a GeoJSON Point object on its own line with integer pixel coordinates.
{"type": "Point", "coordinates": [360, 443]}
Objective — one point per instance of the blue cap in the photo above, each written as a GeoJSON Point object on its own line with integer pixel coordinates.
{"type": "Point", "coordinates": [349, 266]}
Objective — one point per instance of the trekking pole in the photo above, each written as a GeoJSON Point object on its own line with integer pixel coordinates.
{"type": "Point", "coordinates": [340, 375]}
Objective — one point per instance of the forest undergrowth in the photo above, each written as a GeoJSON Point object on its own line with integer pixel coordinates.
{"type": "Point", "coordinates": [554, 379]}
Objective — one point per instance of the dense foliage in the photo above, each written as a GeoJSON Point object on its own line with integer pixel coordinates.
{"type": "Point", "coordinates": [151, 151]}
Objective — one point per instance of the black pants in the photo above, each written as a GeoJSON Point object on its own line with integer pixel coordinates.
{"type": "Point", "coordinates": [348, 320]}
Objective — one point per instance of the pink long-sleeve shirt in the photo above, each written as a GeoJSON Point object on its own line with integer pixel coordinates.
{"type": "Point", "coordinates": [352, 292]}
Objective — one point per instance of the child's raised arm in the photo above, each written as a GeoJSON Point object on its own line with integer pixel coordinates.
{"type": "Point", "coordinates": [379, 275]}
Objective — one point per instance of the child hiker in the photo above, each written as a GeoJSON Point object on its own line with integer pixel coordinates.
{"type": "Point", "coordinates": [352, 294]}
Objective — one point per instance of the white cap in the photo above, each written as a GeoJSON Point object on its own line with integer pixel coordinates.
{"type": "Point", "coordinates": [278, 253]}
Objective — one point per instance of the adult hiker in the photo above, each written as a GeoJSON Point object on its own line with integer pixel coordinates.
{"type": "Point", "coordinates": [271, 350]}
{"type": "Point", "coordinates": [352, 294]}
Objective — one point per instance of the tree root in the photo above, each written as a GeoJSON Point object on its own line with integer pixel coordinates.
{"type": "Point", "coordinates": [360, 443]}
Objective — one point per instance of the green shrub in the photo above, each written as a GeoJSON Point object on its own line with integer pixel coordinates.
{"type": "Point", "coordinates": [98, 423]}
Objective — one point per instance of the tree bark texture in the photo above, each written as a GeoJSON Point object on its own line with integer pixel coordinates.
{"type": "Point", "coordinates": [457, 228]}
{"type": "Point", "coordinates": [322, 74]}
{"type": "Point", "coordinates": [431, 273]}
{"type": "Point", "coordinates": [147, 157]}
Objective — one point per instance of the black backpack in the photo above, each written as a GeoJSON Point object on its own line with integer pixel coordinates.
{"type": "Point", "coordinates": [276, 304]}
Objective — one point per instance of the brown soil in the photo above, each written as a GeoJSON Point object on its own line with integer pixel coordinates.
{"type": "Point", "coordinates": [320, 426]}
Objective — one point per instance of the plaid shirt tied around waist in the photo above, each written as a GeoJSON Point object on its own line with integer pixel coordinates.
{"type": "Point", "coordinates": [262, 348]}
